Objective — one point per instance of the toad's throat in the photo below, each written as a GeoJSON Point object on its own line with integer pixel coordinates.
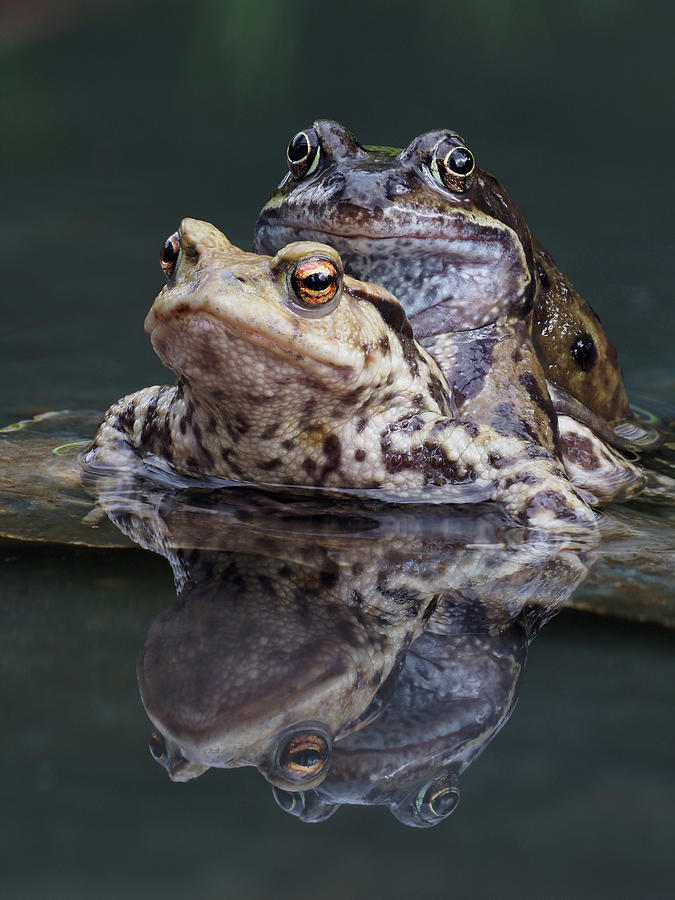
{"type": "Point", "coordinates": [273, 344]}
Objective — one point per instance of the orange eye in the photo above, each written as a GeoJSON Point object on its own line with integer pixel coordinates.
{"type": "Point", "coordinates": [303, 756]}
{"type": "Point", "coordinates": [315, 282]}
{"type": "Point", "coordinates": [169, 254]}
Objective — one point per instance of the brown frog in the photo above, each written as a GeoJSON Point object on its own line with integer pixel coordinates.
{"type": "Point", "coordinates": [483, 296]}
{"type": "Point", "coordinates": [443, 236]}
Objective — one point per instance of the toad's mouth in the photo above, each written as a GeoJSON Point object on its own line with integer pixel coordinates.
{"type": "Point", "coordinates": [207, 320]}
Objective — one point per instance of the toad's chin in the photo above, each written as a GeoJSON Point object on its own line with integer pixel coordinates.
{"type": "Point", "coordinates": [216, 353]}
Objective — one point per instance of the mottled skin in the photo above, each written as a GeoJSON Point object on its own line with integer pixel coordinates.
{"type": "Point", "coordinates": [294, 616]}
{"type": "Point", "coordinates": [342, 397]}
{"type": "Point", "coordinates": [457, 689]}
{"type": "Point", "coordinates": [260, 649]}
{"type": "Point", "coordinates": [482, 295]}
{"type": "Point", "coordinates": [455, 259]}
{"type": "Point", "coordinates": [455, 692]}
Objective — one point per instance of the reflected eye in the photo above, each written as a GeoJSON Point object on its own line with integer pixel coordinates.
{"type": "Point", "coordinates": [303, 153]}
{"type": "Point", "coordinates": [157, 747]}
{"type": "Point", "coordinates": [169, 254]}
{"type": "Point", "coordinates": [453, 166]}
{"type": "Point", "coordinates": [289, 801]}
{"type": "Point", "coordinates": [303, 756]}
{"type": "Point", "coordinates": [315, 282]}
{"type": "Point", "coordinates": [437, 800]}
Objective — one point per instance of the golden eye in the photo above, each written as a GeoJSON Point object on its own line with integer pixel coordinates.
{"type": "Point", "coordinates": [453, 166]}
{"type": "Point", "coordinates": [169, 254]}
{"type": "Point", "coordinates": [315, 282]}
{"type": "Point", "coordinates": [302, 153]}
{"type": "Point", "coordinates": [303, 756]}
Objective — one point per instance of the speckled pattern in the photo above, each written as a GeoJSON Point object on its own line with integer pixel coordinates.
{"type": "Point", "coordinates": [269, 393]}
{"type": "Point", "coordinates": [483, 296]}
{"type": "Point", "coordinates": [305, 627]}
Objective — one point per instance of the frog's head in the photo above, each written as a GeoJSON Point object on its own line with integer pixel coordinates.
{"type": "Point", "coordinates": [425, 222]}
{"type": "Point", "coordinates": [281, 335]}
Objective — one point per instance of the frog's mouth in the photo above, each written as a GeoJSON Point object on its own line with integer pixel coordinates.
{"type": "Point", "coordinates": [471, 279]}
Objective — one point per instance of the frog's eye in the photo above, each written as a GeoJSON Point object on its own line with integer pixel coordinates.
{"type": "Point", "coordinates": [303, 756]}
{"type": "Point", "coordinates": [453, 166]}
{"type": "Point", "coordinates": [169, 254]}
{"type": "Point", "coordinates": [315, 282]}
{"type": "Point", "coordinates": [303, 153]}
{"type": "Point", "coordinates": [437, 800]}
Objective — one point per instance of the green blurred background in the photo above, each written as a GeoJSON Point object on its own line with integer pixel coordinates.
{"type": "Point", "coordinates": [116, 120]}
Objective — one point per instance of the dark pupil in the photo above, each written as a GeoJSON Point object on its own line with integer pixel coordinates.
{"type": "Point", "coordinates": [444, 803]}
{"type": "Point", "coordinates": [285, 799]}
{"type": "Point", "coordinates": [584, 352]}
{"type": "Point", "coordinates": [298, 148]}
{"type": "Point", "coordinates": [168, 252]}
{"type": "Point", "coordinates": [306, 758]}
{"type": "Point", "coordinates": [317, 281]}
{"type": "Point", "coordinates": [156, 746]}
{"type": "Point", "coordinates": [460, 161]}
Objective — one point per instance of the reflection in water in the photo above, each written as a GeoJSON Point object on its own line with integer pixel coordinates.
{"type": "Point", "coordinates": [455, 692]}
{"type": "Point", "coordinates": [352, 653]}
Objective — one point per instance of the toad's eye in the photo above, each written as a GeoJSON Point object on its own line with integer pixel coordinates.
{"type": "Point", "coordinates": [453, 166]}
{"type": "Point", "coordinates": [315, 282]}
{"type": "Point", "coordinates": [303, 153]}
{"type": "Point", "coordinates": [169, 254]}
{"type": "Point", "coordinates": [303, 756]}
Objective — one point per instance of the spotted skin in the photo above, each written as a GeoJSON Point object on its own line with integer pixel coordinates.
{"type": "Point", "coordinates": [465, 267]}
{"type": "Point", "coordinates": [267, 393]}
{"type": "Point", "coordinates": [298, 612]}
{"type": "Point", "coordinates": [572, 346]}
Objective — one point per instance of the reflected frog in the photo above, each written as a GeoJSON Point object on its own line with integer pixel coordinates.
{"type": "Point", "coordinates": [455, 693]}
{"type": "Point", "coordinates": [457, 689]}
{"type": "Point", "coordinates": [290, 372]}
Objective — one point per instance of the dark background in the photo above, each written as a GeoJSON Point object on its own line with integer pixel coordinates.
{"type": "Point", "coordinates": [120, 118]}
{"type": "Point", "coordinates": [117, 120]}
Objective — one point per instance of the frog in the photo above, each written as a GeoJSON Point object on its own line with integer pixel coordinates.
{"type": "Point", "coordinates": [292, 372]}
{"type": "Point", "coordinates": [456, 691]}
{"type": "Point", "coordinates": [443, 235]}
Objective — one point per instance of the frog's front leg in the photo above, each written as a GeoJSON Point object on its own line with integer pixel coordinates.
{"type": "Point", "coordinates": [132, 425]}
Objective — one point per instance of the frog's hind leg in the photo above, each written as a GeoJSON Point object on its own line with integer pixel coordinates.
{"type": "Point", "coordinates": [596, 467]}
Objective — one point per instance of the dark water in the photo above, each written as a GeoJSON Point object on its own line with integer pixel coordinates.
{"type": "Point", "coordinates": [116, 123]}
